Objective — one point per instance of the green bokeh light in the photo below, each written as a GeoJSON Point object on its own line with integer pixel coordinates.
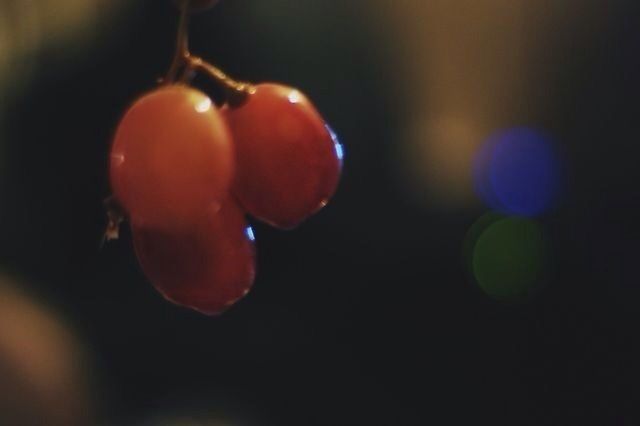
{"type": "Point", "coordinates": [509, 259]}
{"type": "Point", "coordinates": [475, 232]}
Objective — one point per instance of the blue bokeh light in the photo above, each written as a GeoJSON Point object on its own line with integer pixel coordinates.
{"type": "Point", "coordinates": [518, 172]}
{"type": "Point", "coordinates": [249, 233]}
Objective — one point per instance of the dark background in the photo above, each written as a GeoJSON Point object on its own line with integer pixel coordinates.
{"type": "Point", "coordinates": [365, 314]}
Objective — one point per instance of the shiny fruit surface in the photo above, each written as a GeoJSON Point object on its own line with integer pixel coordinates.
{"type": "Point", "coordinates": [288, 160]}
{"type": "Point", "coordinates": [207, 269]}
{"type": "Point", "coordinates": [172, 158]}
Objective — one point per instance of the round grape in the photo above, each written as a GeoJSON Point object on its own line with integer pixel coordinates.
{"type": "Point", "coordinates": [208, 268]}
{"type": "Point", "coordinates": [288, 159]}
{"type": "Point", "coordinates": [172, 158]}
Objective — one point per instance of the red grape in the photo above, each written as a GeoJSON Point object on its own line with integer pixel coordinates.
{"type": "Point", "coordinates": [288, 160]}
{"type": "Point", "coordinates": [172, 158]}
{"type": "Point", "coordinates": [208, 268]}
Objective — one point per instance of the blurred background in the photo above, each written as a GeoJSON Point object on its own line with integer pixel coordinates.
{"type": "Point", "coordinates": [479, 264]}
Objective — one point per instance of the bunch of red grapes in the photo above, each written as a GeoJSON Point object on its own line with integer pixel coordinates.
{"type": "Point", "coordinates": [186, 173]}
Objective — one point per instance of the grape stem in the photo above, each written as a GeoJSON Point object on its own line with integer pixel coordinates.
{"type": "Point", "coordinates": [182, 43]}
{"type": "Point", "coordinates": [235, 91]}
